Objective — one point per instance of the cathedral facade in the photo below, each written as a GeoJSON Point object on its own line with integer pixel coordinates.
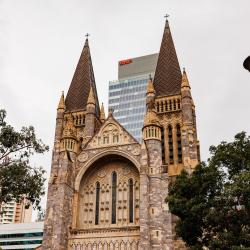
{"type": "Point", "coordinates": [107, 190]}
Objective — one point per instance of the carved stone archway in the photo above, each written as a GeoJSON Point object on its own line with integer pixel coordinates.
{"type": "Point", "coordinates": [109, 152]}
{"type": "Point", "coordinates": [107, 202]}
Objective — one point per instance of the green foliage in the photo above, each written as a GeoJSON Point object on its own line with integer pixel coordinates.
{"type": "Point", "coordinates": [213, 204]}
{"type": "Point", "coordinates": [19, 180]}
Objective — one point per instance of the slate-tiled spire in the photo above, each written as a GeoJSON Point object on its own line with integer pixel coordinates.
{"type": "Point", "coordinates": [82, 81]}
{"type": "Point", "coordinates": [167, 79]}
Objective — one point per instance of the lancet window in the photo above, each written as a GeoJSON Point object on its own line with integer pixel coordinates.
{"type": "Point", "coordinates": [114, 188]}
{"type": "Point", "coordinates": [131, 200]}
{"type": "Point", "coordinates": [106, 139]}
{"type": "Point", "coordinates": [168, 105]}
{"type": "Point", "coordinates": [97, 203]}
{"type": "Point", "coordinates": [170, 145]}
{"type": "Point", "coordinates": [178, 136]}
{"type": "Point", "coordinates": [109, 194]}
{"type": "Point", "coordinates": [79, 119]}
{"type": "Point", "coordinates": [115, 138]}
{"type": "Point", "coordinates": [163, 146]}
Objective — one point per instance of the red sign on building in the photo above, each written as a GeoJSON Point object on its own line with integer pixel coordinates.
{"type": "Point", "coordinates": [124, 62]}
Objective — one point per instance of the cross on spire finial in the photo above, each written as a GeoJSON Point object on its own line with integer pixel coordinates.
{"type": "Point", "coordinates": [166, 16]}
{"type": "Point", "coordinates": [87, 35]}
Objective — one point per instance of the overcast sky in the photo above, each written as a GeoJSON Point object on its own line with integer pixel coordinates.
{"type": "Point", "coordinates": [41, 41]}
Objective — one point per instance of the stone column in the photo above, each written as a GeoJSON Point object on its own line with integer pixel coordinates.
{"type": "Point", "coordinates": [190, 154]}
{"type": "Point", "coordinates": [75, 208]}
{"type": "Point", "coordinates": [155, 194]}
{"type": "Point", "coordinates": [90, 116]}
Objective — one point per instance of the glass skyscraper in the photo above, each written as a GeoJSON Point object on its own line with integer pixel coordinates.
{"type": "Point", "coordinates": [127, 95]}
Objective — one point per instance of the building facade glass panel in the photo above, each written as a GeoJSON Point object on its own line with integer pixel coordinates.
{"type": "Point", "coordinates": [129, 103]}
{"type": "Point", "coordinates": [127, 95]}
{"type": "Point", "coordinates": [21, 235]}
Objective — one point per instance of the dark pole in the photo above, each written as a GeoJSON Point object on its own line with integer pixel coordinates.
{"type": "Point", "coordinates": [246, 63]}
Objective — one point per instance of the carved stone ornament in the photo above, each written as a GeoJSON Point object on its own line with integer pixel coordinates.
{"type": "Point", "coordinates": [83, 157]}
{"type": "Point", "coordinates": [102, 173]}
{"type": "Point", "coordinates": [136, 150]}
{"type": "Point", "coordinates": [126, 170]}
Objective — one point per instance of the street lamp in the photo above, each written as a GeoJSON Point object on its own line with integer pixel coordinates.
{"type": "Point", "coordinates": [246, 63]}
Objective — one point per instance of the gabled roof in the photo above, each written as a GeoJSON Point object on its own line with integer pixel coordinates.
{"type": "Point", "coordinates": [167, 79]}
{"type": "Point", "coordinates": [111, 125]}
{"type": "Point", "coordinates": [83, 79]}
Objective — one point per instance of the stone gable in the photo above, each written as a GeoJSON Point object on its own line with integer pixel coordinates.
{"type": "Point", "coordinates": [111, 133]}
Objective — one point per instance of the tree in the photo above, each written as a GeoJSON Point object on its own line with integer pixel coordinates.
{"type": "Point", "coordinates": [18, 179]}
{"type": "Point", "coordinates": [213, 203]}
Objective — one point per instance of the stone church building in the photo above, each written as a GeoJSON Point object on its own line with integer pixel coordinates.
{"type": "Point", "coordinates": [106, 190]}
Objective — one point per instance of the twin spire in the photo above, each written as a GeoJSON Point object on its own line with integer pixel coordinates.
{"type": "Point", "coordinates": [82, 82]}
{"type": "Point", "coordinates": [167, 80]}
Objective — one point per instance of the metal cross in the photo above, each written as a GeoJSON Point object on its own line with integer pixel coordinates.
{"type": "Point", "coordinates": [87, 35]}
{"type": "Point", "coordinates": [166, 16]}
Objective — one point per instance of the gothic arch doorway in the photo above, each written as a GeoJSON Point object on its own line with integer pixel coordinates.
{"type": "Point", "coordinates": [108, 195]}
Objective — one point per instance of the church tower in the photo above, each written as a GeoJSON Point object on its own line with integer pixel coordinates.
{"type": "Point", "coordinates": [106, 190]}
{"type": "Point", "coordinates": [78, 117]}
{"type": "Point", "coordinates": [175, 110]}
{"type": "Point", "coordinates": [170, 138]}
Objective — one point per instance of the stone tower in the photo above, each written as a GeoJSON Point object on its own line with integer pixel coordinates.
{"type": "Point", "coordinates": [106, 190]}
{"type": "Point", "coordinates": [175, 110]}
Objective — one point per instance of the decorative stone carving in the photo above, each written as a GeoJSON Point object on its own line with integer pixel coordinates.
{"type": "Point", "coordinates": [111, 134]}
{"type": "Point", "coordinates": [125, 170]}
{"type": "Point", "coordinates": [83, 157]}
{"type": "Point", "coordinates": [136, 150]}
{"type": "Point", "coordinates": [101, 173]}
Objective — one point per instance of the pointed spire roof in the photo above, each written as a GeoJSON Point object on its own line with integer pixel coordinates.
{"type": "Point", "coordinates": [110, 112]}
{"type": "Point", "coordinates": [167, 79]}
{"type": "Point", "coordinates": [102, 114]}
{"type": "Point", "coordinates": [184, 82]}
{"type": "Point", "coordinates": [82, 81]}
{"type": "Point", "coordinates": [61, 104]}
{"type": "Point", "coordinates": [150, 87]}
{"type": "Point", "coordinates": [91, 97]}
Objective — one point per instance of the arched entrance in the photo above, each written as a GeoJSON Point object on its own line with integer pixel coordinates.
{"type": "Point", "coordinates": [107, 205]}
{"type": "Point", "coordinates": [108, 194]}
